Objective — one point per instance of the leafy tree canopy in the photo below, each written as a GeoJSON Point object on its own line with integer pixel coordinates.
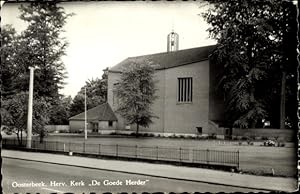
{"type": "Point", "coordinates": [136, 93]}
{"type": "Point", "coordinates": [42, 46]}
{"type": "Point", "coordinates": [96, 94]}
{"type": "Point", "coordinates": [14, 113]}
{"type": "Point", "coordinates": [60, 111]}
{"type": "Point", "coordinates": [8, 67]}
{"type": "Point", "coordinates": [252, 47]}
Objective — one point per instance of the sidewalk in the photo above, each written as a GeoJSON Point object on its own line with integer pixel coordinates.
{"type": "Point", "coordinates": [160, 170]}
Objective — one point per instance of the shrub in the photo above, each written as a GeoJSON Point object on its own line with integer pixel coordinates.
{"type": "Point", "coordinates": [264, 138]}
{"type": "Point", "coordinates": [235, 138]}
{"type": "Point", "coordinates": [280, 144]}
{"type": "Point", "coordinates": [212, 136]}
{"type": "Point", "coordinates": [245, 138]}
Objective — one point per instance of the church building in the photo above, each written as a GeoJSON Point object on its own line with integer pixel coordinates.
{"type": "Point", "coordinates": [188, 100]}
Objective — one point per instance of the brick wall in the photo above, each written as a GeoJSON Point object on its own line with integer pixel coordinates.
{"type": "Point", "coordinates": [185, 117]}
{"type": "Point", "coordinates": [76, 125]}
{"type": "Point", "coordinates": [112, 79]}
{"type": "Point", "coordinates": [174, 117]}
{"type": "Point", "coordinates": [157, 108]}
{"type": "Point", "coordinates": [103, 125]}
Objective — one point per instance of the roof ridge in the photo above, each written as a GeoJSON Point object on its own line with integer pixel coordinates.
{"type": "Point", "coordinates": [173, 52]}
{"type": "Point", "coordinates": [168, 60]}
{"type": "Point", "coordinates": [87, 111]}
{"type": "Point", "coordinates": [103, 111]}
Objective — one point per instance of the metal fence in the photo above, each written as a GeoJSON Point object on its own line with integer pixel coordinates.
{"type": "Point", "coordinates": [183, 155]}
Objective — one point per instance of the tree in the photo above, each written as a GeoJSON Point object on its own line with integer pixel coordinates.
{"type": "Point", "coordinates": [8, 68]}
{"type": "Point", "coordinates": [251, 37]}
{"type": "Point", "coordinates": [41, 45]}
{"type": "Point", "coordinates": [60, 111]}
{"type": "Point", "coordinates": [136, 93]}
{"type": "Point", "coordinates": [14, 114]}
{"type": "Point", "coordinates": [96, 94]}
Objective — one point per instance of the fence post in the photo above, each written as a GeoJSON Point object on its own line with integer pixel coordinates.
{"type": "Point", "coordinates": [56, 146]}
{"type": "Point", "coordinates": [238, 159]}
{"type": "Point", "coordinates": [45, 146]}
{"type": "Point", "coordinates": [69, 146]}
{"type": "Point", "coordinates": [136, 148]}
{"type": "Point", "coordinates": [99, 149]}
{"type": "Point", "coordinates": [84, 147]}
{"type": "Point", "coordinates": [156, 152]}
{"type": "Point", "coordinates": [180, 154]}
{"type": "Point", "coordinates": [117, 147]}
{"type": "Point", "coordinates": [207, 156]}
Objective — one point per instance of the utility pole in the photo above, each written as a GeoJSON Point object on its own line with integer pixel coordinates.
{"type": "Point", "coordinates": [85, 117]}
{"type": "Point", "coordinates": [29, 116]}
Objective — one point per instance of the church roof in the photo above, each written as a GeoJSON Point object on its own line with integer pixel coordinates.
{"type": "Point", "coordinates": [169, 59]}
{"type": "Point", "coordinates": [102, 112]}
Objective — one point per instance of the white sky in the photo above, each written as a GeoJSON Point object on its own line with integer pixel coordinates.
{"type": "Point", "coordinates": [102, 34]}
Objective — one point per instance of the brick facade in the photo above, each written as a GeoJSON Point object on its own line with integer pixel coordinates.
{"type": "Point", "coordinates": [177, 117]}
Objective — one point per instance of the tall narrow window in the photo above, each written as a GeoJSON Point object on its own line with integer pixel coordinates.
{"type": "Point", "coordinates": [115, 97]}
{"type": "Point", "coordinates": [185, 89]}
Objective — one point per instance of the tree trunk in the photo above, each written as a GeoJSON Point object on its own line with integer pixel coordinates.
{"type": "Point", "coordinates": [252, 100]}
{"type": "Point", "coordinates": [21, 136]}
{"type": "Point", "coordinates": [282, 101]}
{"type": "Point", "coordinates": [18, 136]}
{"type": "Point", "coordinates": [137, 130]}
{"type": "Point", "coordinates": [42, 136]}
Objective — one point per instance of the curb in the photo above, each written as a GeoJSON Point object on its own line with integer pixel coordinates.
{"type": "Point", "coordinates": [143, 174]}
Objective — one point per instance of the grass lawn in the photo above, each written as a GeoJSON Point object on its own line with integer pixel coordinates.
{"type": "Point", "coordinates": [253, 159]}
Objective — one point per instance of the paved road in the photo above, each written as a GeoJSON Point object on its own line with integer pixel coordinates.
{"type": "Point", "coordinates": [79, 180]}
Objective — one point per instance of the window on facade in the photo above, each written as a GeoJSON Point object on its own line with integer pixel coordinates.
{"type": "Point", "coordinates": [110, 123]}
{"type": "Point", "coordinates": [115, 97]}
{"type": "Point", "coordinates": [185, 89]}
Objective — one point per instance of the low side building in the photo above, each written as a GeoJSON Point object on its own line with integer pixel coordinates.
{"type": "Point", "coordinates": [100, 119]}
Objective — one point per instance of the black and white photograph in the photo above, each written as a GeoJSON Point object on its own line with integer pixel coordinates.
{"type": "Point", "coordinates": [149, 96]}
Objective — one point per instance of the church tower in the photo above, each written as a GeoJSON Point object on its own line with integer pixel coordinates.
{"type": "Point", "coordinates": [172, 41]}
